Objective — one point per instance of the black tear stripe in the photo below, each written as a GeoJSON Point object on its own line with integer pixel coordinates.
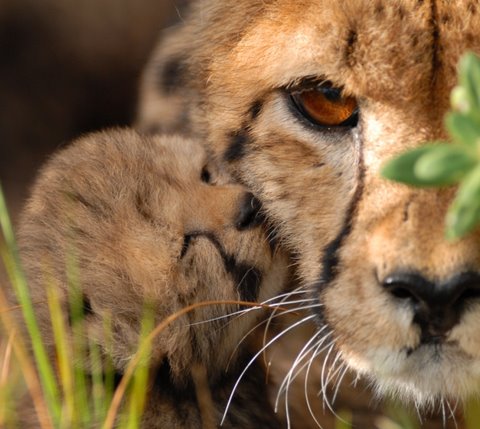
{"type": "Point", "coordinates": [239, 139]}
{"type": "Point", "coordinates": [331, 257]}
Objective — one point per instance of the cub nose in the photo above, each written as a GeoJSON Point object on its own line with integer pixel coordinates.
{"type": "Point", "coordinates": [437, 306]}
{"type": "Point", "coordinates": [249, 213]}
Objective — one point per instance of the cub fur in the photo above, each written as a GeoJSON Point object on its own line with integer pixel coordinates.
{"type": "Point", "coordinates": [399, 300]}
{"type": "Point", "coordinates": [147, 220]}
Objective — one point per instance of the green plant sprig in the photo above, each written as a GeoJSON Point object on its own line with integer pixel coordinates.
{"type": "Point", "coordinates": [441, 164]}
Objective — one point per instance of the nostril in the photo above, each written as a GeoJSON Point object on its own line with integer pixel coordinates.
{"type": "Point", "coordinates": [406, 286]}
{"type": "Point", "coordinates": [437, 306]}
{"type": "Point", "coordinates": [402, 293]}
{"type": "Point", "coordinates": [249, 214]}
{"type": "Point", "coordinates": [470, 293]}
{"type": "Point", "coordinates": [464, 287]}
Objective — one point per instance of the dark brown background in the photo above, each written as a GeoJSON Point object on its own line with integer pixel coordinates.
{"type": "Point", "coordinates": [68, 67]}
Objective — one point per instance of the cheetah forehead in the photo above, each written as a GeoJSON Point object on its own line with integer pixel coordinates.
{"type": "Point", "coordinates": [383, 50]}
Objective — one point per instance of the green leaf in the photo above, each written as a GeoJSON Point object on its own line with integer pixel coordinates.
{"type": "Point", "coordinates": [444, 165]}
{"type": "Point", "coordinates": [459, 99]}
{"type": "Point", "coordinates": [464, 129]}
{"type": "Point", "coordinates": [402, 168]}
{"type": "Point", "coordinates": [462, 219]}
{"type": "Point", "coordinates": [470, 80]}
{"type": "Point", "coordinates": [464, 213]}
{"type": "Point", "coordinates": [469, 191]}
{"type": "Point", "coordinates": [441, 164]}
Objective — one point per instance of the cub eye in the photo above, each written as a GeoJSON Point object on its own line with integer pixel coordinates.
{"type": "Point", "coordinates": [324, 105]}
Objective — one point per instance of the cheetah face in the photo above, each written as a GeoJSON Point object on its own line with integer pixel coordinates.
{"type": "Point", "coordinates": [304, 102]}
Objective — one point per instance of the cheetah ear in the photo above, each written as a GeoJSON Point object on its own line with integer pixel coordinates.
{"type": "Point", "coordinates": [166, 92]}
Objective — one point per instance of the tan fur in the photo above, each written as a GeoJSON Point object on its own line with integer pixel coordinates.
{"type": "Point", "coordinates": [114, 208]}
{"type": "Point", "coordinates": [398, 58]}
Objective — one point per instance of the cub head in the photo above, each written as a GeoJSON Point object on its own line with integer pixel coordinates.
{"type": "Point", "coordinates": [148, 221]}
{"type": "Point", "coordinates": [303, 102]}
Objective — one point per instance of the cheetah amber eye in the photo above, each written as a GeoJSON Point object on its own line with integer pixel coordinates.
{"type": "Point", "coordinates": [325, 106]}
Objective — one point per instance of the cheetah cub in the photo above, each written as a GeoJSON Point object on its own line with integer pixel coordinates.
{"type": "Point", "coordinates": [146, 219]}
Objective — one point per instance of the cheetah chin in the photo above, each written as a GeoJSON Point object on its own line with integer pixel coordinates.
{"type": "Point", "coordinates": [426, 376]}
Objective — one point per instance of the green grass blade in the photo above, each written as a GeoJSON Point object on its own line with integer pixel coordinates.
{"type": "Point", "coordinates": [7, 383]}
{"type": "Point", "coordinates": [98, 386]}
{"type": "Point", "coordinates": [18, 280]}
{"type": "Point", "coordinates": [109, 370]}
{"type": "Point", "coordinates": [137, 395]}
{"type": "Point", "coordinates": [344, 420]}
{"type": "Point", "coordinates": [63, 357]}
{"type": "Point", "coordinates": [79, 344]}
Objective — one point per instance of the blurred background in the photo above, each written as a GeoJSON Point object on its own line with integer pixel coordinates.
{"type": "Point", "coordinates": [68, 67]}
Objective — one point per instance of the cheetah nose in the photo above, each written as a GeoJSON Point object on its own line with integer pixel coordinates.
{"type": "Point", "coordinates": [437, 307]}
{"type": "Point", "coordinates": [249, 214]}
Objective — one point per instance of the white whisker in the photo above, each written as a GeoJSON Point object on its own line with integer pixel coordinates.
{"type": "Point", "coordinates": [419, 414]}
{"type": "Point", "coordinates": [335, 373]}
{"type": "Point", "coordinates": [226, 316]}
{"type": "Point", "coordinates": [290, 376]}
{"type": "Point", "coordinates": [444, 416]}
{"type": "Point", "coordinates": [300, 356]}
{"type": "Point", "coordinates": [271, 317]}
{"type": "Point", "coordinates": [322, 380]}
{"type": "Point", "coordinates": [256, 356]}
{"type": "Point", "coordinates": [307, 398]}
{"type": "Point", "coordinates": [339, 382]}
{"type": "Point", "coordinates": [356, 380]}
{"type": "Point", "coordinates": [324, 384]}
{"type": "Point", "coordinates": [456, 405]}
{"type": "Point", "coordinates": [293, 310]}
{"type": "Point", "coordinates": [315, 346]}
{"type": "Point", "coordinates": [332, 369]}
{"type": "Point", "coordinates": [452, 414]}
{"type": "Point", "coordinates": [259, 307]}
